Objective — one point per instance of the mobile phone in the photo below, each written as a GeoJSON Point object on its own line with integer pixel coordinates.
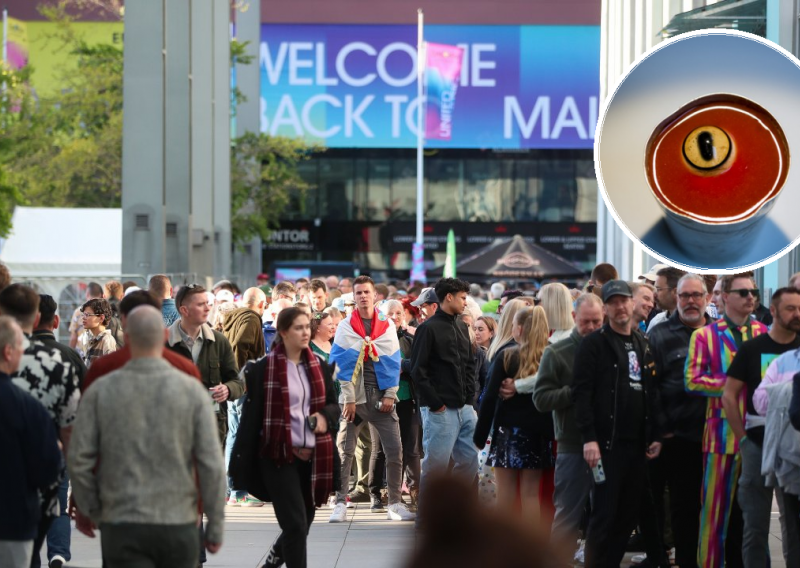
{"type": "Point", "coordinates": [312, 422]}
{"type": "Point", "coordinates": [599, 473]}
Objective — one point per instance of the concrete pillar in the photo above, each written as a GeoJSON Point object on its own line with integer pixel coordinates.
{"type": "Point", "coordinates": [177, 147]}
{"type": "Point", "coordinates": [143, 140]}
{"type": "Point", "coordinates": [176, 138]}
{"type": "Point", "coordinates": [221, 137]}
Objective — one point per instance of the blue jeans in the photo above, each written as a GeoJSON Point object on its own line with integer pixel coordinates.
{"type": "Point", "coordinates": [445, 434]}
{"type": "Point", "coordinates": [58, 537]}
{"type": "Point", "coordinates": [234, 415]}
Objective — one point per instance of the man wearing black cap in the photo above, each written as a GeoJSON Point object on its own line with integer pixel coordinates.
{"type": "Point", "coordinates": [617, 413]}
{"type": "Point", "coordinates": [427, 302]}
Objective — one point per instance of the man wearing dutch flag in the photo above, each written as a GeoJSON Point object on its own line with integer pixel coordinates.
{"type": "Point", "coordinates": [367, 358]}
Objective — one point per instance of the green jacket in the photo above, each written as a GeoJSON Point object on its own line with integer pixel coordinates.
{"type": "Point", "coordinates": [553, 391]}
{"type": "Point", "coordinates": [216, 362]}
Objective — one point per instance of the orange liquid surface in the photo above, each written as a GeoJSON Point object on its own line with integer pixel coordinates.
{"type": "Point", "coordinates": [754, 170]}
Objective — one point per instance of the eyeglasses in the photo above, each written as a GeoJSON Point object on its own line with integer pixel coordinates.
{"type": "Point", "coordinates": [696, 296]}
{"type": "Point", "coordinates": [744, 292]}
{"type": "Point", "coordinates": [88, 315]}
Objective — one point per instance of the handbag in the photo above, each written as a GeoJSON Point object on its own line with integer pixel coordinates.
{"type": "Point", "coordinates": [243, 467]}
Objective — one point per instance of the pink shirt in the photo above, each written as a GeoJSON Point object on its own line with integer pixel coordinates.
{"type": "Point", "coordinates": [299, 405]}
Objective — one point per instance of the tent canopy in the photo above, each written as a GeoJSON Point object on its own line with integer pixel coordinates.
{"type": "Point", "coordinates": [517, 259]}
{"type": "Point", "coordinates": [55, 242]}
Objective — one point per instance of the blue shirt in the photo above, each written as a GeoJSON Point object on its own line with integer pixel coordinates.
{"type": "Point", "coordinates": [169, 312]}
{"type": "Point", "coordinates": [31, 460]}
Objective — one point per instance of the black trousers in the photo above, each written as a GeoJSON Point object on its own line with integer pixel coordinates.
{"type": "Point", "coordinates": [680, 467]}
{"type": "Point", "coordinates": [290, 491]}
{"type": "Point", "coordinates": [614, 512]}
{"type": "Point", "coordinates": [38, 542]}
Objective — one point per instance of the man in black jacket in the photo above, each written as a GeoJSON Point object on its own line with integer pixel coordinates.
{"type": "Point", "coordinates": [680, 465]}
{"type": "Point", "coordinates": [617, 413]}
{"type": "Point", "coordinates": [443, 371]}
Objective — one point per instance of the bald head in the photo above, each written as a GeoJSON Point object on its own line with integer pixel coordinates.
{"type": "Point", "coordinates": [144, 332]}
{"type": "Point", "coordinates": [255, 299]}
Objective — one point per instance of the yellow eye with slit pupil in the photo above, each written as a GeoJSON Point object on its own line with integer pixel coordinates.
{"type": "Point", "coordinates": [707, 147]}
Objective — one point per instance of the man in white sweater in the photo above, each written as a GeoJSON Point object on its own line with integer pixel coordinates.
{"type": "Point", "coordinates": [141, 434]}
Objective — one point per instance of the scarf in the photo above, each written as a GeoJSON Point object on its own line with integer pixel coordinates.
{"type": "Point", "coordinates": [276, 439]}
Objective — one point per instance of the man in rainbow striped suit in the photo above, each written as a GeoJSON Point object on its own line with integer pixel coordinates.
{"type": "Point", "coordinates": [711, 351]}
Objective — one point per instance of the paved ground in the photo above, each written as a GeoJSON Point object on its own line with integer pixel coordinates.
{"type": "Point", "coordinates": [366, 540]}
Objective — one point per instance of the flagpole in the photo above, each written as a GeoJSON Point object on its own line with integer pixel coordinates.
{"type": "Point", "coordinates": [419, 242]}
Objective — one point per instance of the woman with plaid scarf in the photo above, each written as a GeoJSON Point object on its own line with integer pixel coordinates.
{"type": "Point", "coordinates": [297, 462]}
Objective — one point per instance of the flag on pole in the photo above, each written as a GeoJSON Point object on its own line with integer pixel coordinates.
{"type": "Point", "coordinates": [450, 260]}
{"type": "Point", "coordinates": [442, 72]}
{"type": "Point", "coordinates": [17, 43]}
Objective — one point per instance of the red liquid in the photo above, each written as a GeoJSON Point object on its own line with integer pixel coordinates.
{"type": "Point", "coordinates": [753, 173]}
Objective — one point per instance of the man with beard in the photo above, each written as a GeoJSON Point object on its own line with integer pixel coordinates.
{"type": "Point", "coordinates": [711, 351]}
{"type": "Point", "coordinates": [666, 294]}
{"type": "Point", "coordinates": [744, 375]}
{"type": "Point", "coordinates": [680, 466]}
{"type": "Point", "coordinates": [617, 414]}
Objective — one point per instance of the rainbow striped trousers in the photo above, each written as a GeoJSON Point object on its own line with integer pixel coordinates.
{"type": "Point", "coordinates": [720, 476]}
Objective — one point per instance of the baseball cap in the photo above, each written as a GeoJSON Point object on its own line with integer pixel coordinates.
{"type": "Point", "coordinates": [616, 288]}
{"type": "Point", "coordinates": [652, 273]}
{"type": "Point", "coordinates": [427, 296]}
{"type": "Point", "coordinates": [262, 276]}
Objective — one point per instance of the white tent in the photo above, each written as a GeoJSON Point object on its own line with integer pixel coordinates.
{"type": "Point", "coordinates": [64, 243]}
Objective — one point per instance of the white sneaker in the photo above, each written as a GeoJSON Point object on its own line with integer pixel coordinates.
{"type": "Point", "coordinates": [672, 556]}
{"type": "Point", "coordinates": [331, 501]}
{"type": "Point", "coordinates": [399, 512]}
{"type": "Point", "coordinates": [339, 514]}
{"type": "Point", "coordinates": [580, 553]}
{"type": "Point", "coordinates": [638, 558]}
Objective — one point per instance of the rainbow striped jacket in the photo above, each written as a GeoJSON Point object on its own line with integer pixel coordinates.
{"type": "Point", "coordinates": [711, 350]}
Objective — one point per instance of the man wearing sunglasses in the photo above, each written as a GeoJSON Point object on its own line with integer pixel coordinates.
{"type": "Point", "coordinates": [711, 351]}
{"type": "Point", "coordinates": [745, 374]}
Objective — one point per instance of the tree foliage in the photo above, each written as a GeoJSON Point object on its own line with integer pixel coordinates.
{"type": "Point", "coordinates": [264, 177]}
{"type": "Point", "coordinates": [65, 150]}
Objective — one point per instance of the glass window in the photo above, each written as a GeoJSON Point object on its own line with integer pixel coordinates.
{"type": "Point", "coordinates": [300, 207]}
{"type": "Point", "coordinates": [445, 190]}
{"type": "Point", "coordinates": [586, 206]}
{"type": "Point", "coordinates": [527, 187]}
{"type": "Point", "coordinates": [488, 190]}
{"type": "Point", "coordinates": [378, 205]}
{"type": "Point", "coordinates": [559, 191]}
{"type": "Point", "coordinates": [336, 188]}
{"type": "Point", "coordinates": [404, 190]}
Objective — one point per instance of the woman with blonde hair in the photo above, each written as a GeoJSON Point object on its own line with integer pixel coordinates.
{"type": "Point", "coordinates": [557, 303]}
{"type": "Point", "coordinates": [503, 338]}
{"type": "Point", "coordinates": [522, 441]}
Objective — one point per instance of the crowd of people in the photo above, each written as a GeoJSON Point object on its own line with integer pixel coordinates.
{"type": "Point", "coordinates": [664, 411]}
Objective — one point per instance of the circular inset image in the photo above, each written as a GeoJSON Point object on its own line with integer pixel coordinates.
{"type": "Point", "coordinates": [694, 159]}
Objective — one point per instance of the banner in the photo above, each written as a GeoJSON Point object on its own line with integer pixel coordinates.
{"type": "Point", "coordinates": [355, 86]}
{"type": "Point", "coordinates": [442, 72]}
{"type": "Point", "coordinates": [17, 44]}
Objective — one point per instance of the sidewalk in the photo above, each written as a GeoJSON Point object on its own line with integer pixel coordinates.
{"type": "Point", "coordinates": [366, 540]}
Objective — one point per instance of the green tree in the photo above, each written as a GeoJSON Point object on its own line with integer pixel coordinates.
{"type": "Point", "coordinates": [264, 176]}
{"type": "Point", "coordinates": [66, 150]}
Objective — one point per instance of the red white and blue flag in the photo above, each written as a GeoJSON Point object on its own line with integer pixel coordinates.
{"type": "Point", "coordinates": [352, 346]}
